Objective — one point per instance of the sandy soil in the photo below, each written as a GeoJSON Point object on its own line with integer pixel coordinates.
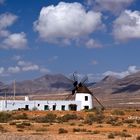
{"type": "Point", "coordinates": [49, 131]}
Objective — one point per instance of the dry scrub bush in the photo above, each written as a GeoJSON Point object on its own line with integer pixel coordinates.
{"type": "Point", "coordinates": [5, 117]}
{"type": "Point", "coordinates": [23, 116]}
{"type": "Point", "coordinates": [118, 112]}
{"type": "Point", "coordinates": [49, 118]}
{"type": "Point", "coordinates": [62, 130]}
{"type": "Point", "coordinates": [138, 138]}
{"type": "Point", "coordinates": [67, 117]}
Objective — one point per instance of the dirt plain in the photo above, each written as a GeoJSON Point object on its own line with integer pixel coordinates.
{"type": "Point", "coordinates": [114, 124]}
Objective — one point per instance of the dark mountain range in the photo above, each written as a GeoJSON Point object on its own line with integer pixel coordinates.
{"type": "Point", "coordinates": [58, 82]}
{"type": "Point", "coordinates": [111, 85]}
{"type": "Point", "coordinates": [43, 85]}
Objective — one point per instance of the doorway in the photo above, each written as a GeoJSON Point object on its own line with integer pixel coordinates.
{"type": "Point", "coordinates": [73, 107]}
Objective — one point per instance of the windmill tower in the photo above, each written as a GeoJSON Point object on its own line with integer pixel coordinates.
{"type": "Point", "coordinates": [83, 94]}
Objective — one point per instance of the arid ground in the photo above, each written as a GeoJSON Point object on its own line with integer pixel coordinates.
{"type": "Point", "coordinates": [67, 125]}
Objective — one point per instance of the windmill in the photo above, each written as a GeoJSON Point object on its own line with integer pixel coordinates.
{"type": "Point", "coordinates": [82, 93]}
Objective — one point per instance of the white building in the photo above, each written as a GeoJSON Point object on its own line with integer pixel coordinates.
{"type": "Point", "coordinates": [83, 100]}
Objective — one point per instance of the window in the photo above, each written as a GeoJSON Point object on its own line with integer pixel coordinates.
{"type": "Point", "coordinates": [54, 107]}
{"type": "Point", "coordinates": [86, 107]}
{"type": "Point", "coordinates": [63, 107]}
{"type": "Point", "coordinates": [46, 107]}
{"type": "Point", "coordinates": [86, 98]}
{"type": "Point", "coordinates": [26, 107]}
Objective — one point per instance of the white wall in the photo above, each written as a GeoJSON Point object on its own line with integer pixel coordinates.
{"type": "Point", "coordinates": [39, 104]}
{"type": "Point", "coordinates": [81, 97]}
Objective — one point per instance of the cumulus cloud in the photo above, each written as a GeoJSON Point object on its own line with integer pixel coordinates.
{"type": "Point", "coordinates": [127, 25]}
{"type": "Point", "coordinates": [66, 22]}
{"type": "Point", "coordinates": [91, 43]}
{"type": "Point", "coordinates": [15, 41]}
{"type": "Point", "coordinates": [32, 67]}
{"type": "Point", "coordinates": [11, 40]}
{"type": "Point", "coordinates": [114, 6]}
{"type": "Point", "coordinates": [15, 69]}
{"type": "Point", "coordinates": [27, 66]}
{"type": "Point", "coordinates": [131, 70]}
{"type": "Point", "coordinates": [6, 20]}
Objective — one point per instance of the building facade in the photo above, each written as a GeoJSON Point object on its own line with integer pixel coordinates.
{"type": "Point", "coordinates": [9, 105]}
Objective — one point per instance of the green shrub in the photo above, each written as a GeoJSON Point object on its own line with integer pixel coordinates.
{"type": "Point", "coordinates": [62, 130]}
{"type": "Point", "coordinates": [5, 117]}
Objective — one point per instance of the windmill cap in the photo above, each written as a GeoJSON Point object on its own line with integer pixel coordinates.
{"type": "Point", "coordinates": [83, 89]}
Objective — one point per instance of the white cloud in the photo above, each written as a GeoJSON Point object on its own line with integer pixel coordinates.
{"type": "Point", "coordinates": [11, 40]}
{"type": "Point", "coordinates": [131, 70]}
{"type": "Point", "coordinates": [44, 70]}
{"type": "Point", "coordinates": [15, 41]}
{"type": "Point", "coordinates": [32, 67]}
{"type": "Point", "coordinates": [15, 69]}
{"type": "Point", "coordinates": [127, 26]}
{"type": "Point", "coordinates": [27, 66]}
{"type": "Point", "coordinates": [6, 20]}
{"type": "Point", "coordinates": [23, 63]}
{"type": "Point", "coordinates": [114, 6]}
{"type": "Point", "coordinates": [91, 43]}
{"type": "Point", "coordinates": [66, 22]}
{"type": "Point", "coordinates": [4, 33]}
{"type": "Point", "coordinates": [22, 66]}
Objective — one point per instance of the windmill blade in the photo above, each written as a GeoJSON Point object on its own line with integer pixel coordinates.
{"type": "Point", "coordinates": [84, 79]}
{"type": "Point", "coordinates": [75, 77]}
{"type": "Point", "coordinates": [98, 102]}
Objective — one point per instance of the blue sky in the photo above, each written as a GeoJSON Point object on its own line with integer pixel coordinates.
{"type": "Point", "coordinates": [93, 37]}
